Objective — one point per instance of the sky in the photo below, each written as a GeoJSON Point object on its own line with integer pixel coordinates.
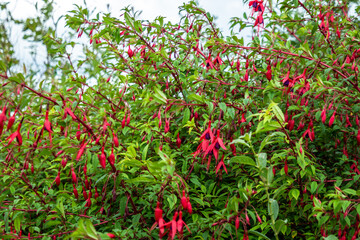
{"type": "Point", "coordinates": [22, 9]}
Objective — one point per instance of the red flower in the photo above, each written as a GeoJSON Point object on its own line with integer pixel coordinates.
{"type": "Point", "coordinates": [215, 146]}
{"type": "Point", "coordinates": [180, 224]}
{"type": "Point", "coordinates": [221, 165]}
{"type": "Point", "coordinates": [172, 225]}
{"type": "Point", "coordinates": [16, 135]}
{"type": "Point", "coordinates": [158, 212]}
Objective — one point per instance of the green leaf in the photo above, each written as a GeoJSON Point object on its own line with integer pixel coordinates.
{"type": "Point", "coordinates": [273, 209]}
{"type": "Point", "coordinates": [223, 107]}
{"type": "Point", "coordinates": [278, 113]}
{"type": "Point", "coordinates": [186, 116]}
{"type": "Point", "coordinates": [144, 152]}
{"type": "Point", "coordinates": [243, 160]}
{"type": "Point", "coordinates": [262, 157]}
{"type": "Point", "coordinates": [142, 179]}
{"type": "Point", "coordinates": [331, 237]}
{"type": "Point", "coordinates": [349, 191]}
{"type": "Point", "coordinates": [258, 234]}
{"type": "Point", "coordinates": [295, 193]}
{"type": "Point", "coordinates": [268, 126]}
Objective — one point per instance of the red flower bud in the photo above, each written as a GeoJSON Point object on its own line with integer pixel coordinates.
{"type": "Point", "coordinates": [237, 222]}
{"type": "Point", "coordinates": [112, 157]}
{"type": "Point", "coordinates": [11, 120]}
{"type": "Point", "coordinates": [189, 207]}
{"type": "Point", "coordinates": [178, 141]}
{"type": "Point", "coordinates": [332, 119]}
{"type": "Point", "coordinates": [130, 52]}
{"type": "Point", "coordinates": [73, 175]}
{"type": "Point", "coordinates": [268, 73]}
{"type": "Point", "coordinates": [110, 235]}
{"type": "Point", "coordinates": [57, 179]}
{"type": "Point", "coordinates": [158, 212]}
{"type": "Point", "coordinates": [76, 194]}
{"type": "Point", "coordinates": [184, 201]}
{"type": "Point", "coordinates": [102, 158]}
{"type": "Point", "coordinates": [116, 140]}
{"type": "Point", "coordinates": [64, 162]}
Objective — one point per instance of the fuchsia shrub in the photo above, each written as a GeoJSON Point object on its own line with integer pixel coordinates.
{"type": "Point", "coordinates": [175, 131]}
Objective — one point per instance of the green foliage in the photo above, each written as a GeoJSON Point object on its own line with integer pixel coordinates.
{"type": "Point", "coordinates": [258, 141]}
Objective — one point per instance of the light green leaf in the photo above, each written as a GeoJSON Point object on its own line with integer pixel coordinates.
{"type": "Point", "coordinates": [243, 160]}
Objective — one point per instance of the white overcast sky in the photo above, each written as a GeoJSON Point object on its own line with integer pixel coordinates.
{"type": "Point", "coordinates": [223, 10]}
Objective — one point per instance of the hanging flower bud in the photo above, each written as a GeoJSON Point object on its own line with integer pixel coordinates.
{"type": "Point", "coordinates": [332, 119]}
{"type": "Point", "coordinates": [11, 120]}
{"type": "Point", "coordinates": [84, 193]}
{"type": "Point", "coordinates": [358, 138]}
{"type": "Point", "coordinates": [237, 222]}
{"type": "Point", "coordinates": [73, 175]}
{"type": "Point", "coordinates": [178, 141]}
{"type": "Point", "coordinates": [64, 162]}
{"type": "Point", "coordinates": [159, 117]}
{"type": "Point", "coordinates": [57, 179]}
{"type": "Point", "coordinates": [268, 73]}
{"type": "Point", "coordinates": [123, 121]}
{"type": "Point", "coordinates": [112, 157]}
{"type": "Point", "coordinates": [258, 218]}
{"type": "Point", "coordinates": [130, 52]}
{"type": "Point", "coordinates": [2, 119]}
{"type": "Point", "coordinates": [96, 195]}
{"type": "Point", "coordinates": [76, 194]}
{"type": "Point", "coordinates": [167, 126]}
{"type": "Point", "coordinates": [184, 201]}
{"type": "Point", "coordinates": [286, 167]}
{"type": "Point", "coordinates": [116, 140]}
{"type": "Point", "coordinates": [158, 212]}
{"type": "Point", "coordinates": [189, 207]}
{"type": "Point", "coordinates": [128, 119]}
{"type": "Point", "coordinates": [102, 158]}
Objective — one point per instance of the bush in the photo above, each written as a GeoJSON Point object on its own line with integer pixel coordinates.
{"type": "Point", "coordinates": [162, 130]}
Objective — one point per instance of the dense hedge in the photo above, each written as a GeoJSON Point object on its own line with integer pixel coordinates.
{"type": "Point", "coordinates": [172, 130]}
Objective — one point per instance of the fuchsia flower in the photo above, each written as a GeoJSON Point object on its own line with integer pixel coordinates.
{"type": "Point", "coordinates": [208, 62]}
{"type": "Point", "coordinates": [180, 224]}
{"type": "Point", "coordinates": [172, 225]}
{"type": "Point", "coordinates": [16, 135]}
{"type": "Point", "coordinates": [257, 6]}
{"type": "Point", "coordinates": [221, 165]}
{"type": "Point", "coordinates": [215, 146]}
